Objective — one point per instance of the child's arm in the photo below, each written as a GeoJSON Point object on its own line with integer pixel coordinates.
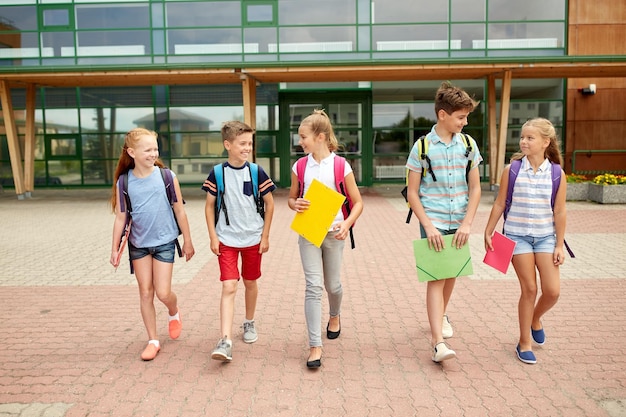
{"type": "Point", "coordinates": [118, 229]}
{"type": "Point", "coordinates": [497, 209]}
{"type": "Point", "coordinates": [560, 217]}
{"type": "Point", "coordinates": [435, 240]}
{"type": "Point", "coordinates": [463, 232]}
{"type": "Point", "coordinates": [209, 214]}
{"type": "Point", "coordinates": [357, 207]}
{"type": "Point", "coordinates": [183, 222]}
{"type": "Point", "coordinates": [268, 199]}
{"type": "Point", "coordinates": [295, 202]}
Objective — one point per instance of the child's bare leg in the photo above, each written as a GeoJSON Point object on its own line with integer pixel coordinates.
{"type": "Point", "coordinates": [162, 273]}
{"type": "Point", "coordinates": [550, 287]}
{"type": "Point", "coordinates": [252, 291]}
{"type": "Point", "coordinates": [435, 309]}
{"type": "Point", "coordinates": [524, 265]}
{"type": "Point", "coordinates": [143, 274]}
{"type": "Point", "coordinates": [227, 307]}
{"type": "Point", "coordinates": [447, 292]}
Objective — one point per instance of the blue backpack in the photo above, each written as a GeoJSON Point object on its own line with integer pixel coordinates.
{"type": "Point", "coordinates": [556, 182]}
{"type": "Point", "coordinates": [219, 181]}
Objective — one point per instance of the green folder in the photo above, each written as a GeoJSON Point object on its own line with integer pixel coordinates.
{"type": "Point", "coordinates": [449, 263]}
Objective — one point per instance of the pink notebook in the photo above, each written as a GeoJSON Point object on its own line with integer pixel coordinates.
{"type": "Point", "coordinates": [500, 257]}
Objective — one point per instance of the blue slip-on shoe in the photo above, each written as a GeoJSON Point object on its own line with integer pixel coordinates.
{"type": "Point", "coordinates": [527, 356]}
{"type": "Point", "coordinates": [539, 336]}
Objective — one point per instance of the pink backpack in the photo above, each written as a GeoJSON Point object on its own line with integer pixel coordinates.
{"type": "Point", "coordinates": [340, 164]}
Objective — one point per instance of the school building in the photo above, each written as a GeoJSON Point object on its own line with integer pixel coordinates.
{"type": "Point", "coordinates": [75, 75]}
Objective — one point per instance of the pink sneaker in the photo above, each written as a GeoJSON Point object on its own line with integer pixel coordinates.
{"type": "Point", "coordinates": [150, 352]}
{"type": "Point", "coordinates": [175, 327]}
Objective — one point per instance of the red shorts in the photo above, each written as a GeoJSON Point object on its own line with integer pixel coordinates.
{"type": "Point", "coordinates": [229, 262]}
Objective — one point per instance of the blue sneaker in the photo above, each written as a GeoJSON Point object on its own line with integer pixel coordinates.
{"type": "Point", "coordinates": [539, 336]}
{"type": "Point", "coordinates": [527, 356]}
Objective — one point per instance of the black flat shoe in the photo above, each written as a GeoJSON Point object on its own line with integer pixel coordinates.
{"type": "Point", "coordinates": [332, 335]}
{"type": "Point", "coordinates": [314, 364]}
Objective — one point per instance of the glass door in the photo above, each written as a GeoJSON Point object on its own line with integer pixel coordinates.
{"type": "Point", "coordinates": [350, 114]}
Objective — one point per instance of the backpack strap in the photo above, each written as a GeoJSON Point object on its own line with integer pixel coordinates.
{"type": "Point", "coordinates": [168, 179]}
{"type": "Point", "coordinates": [513, 171]}
{"type": "Point", "coordinates": [340, 184]}
{"type": "Point", "coordinates": [258, 199]}
{"type": "Point", "coordinates": [170, 190]}
{"type": "Point", "coordinates": [300, 168]}
{"type": "Point", "coordinates": [422, 144]}
{"type": "Point", "coordinates": [470, 151]}
{"type": "Point", "coordinates": [556, 182]}
{"type": "Point", "coordinates": [219, 201]}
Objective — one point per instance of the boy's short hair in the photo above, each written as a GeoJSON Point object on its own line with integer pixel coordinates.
{"type": "Point", "coordinates": [450, 99]}
{"type": "Point", "coordinates": [234, 128]}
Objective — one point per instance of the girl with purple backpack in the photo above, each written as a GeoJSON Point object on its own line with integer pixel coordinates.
{"type": "Point", "coordinates": [537, 225]}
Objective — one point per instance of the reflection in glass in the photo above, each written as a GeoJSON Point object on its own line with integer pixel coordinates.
{"type": "Point", "coordinates": [321, 12]}
{"type": "Point", "coordinates": [256, 13]}
{"type": "Point", "coordinates": [526, 10]}
{"type": "Point", "coordinates": [56, 17]}
{"type": "Point", "coordinates": [112, 16]}
{"type": "Point", "coordinates": [467, 10]}
{"type": "Point", "coordinates": [114, 43]}
{"type": "Point", "coordinates": [265, 144]}
{"type": "Point", "coordinates": [203, 14]}
{"type": "Point", "coordinates": [64, 173]}
{"type": "Point", "coordinates": [409, 33]}
{"type": "Point", "coordinates": [19, 18]}
{"type": "Point", "coordinates": [63, 147]}
{"type": "Point", "coordinates": [61, 120]}
{"type": "Point", "coordinates": [193, 171]}
{"type": "Point", "coordinates": [58, 41]}
{"type": "Point", "coordinates": [402, 11]}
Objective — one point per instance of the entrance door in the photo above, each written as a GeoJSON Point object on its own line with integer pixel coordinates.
{"type": "Point", "coordinates": [63, 160]}
{"type": "Point", "coordinates": [351, 116]}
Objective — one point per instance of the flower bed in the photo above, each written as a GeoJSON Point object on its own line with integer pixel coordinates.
{"type": "Point", "coordinates": [608, 189]}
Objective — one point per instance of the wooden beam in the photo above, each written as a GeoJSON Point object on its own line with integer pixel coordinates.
{"type": "Point", "coordinates": [29, 140]}
{"type": "Point", "coordinates": [505, 101]}
{"type": "Point", "coordinates": [12, 139]}
{"type": "Point", "coordinates": [492, 129]}
{"type": "Point", "coordinates": [248, 85]}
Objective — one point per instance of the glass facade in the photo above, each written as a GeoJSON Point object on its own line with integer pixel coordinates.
{"type": "Point", "coordinates": [79, 131]}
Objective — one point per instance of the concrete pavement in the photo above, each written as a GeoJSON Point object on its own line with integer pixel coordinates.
{"type": "Point", "coordinates": [72, 332]}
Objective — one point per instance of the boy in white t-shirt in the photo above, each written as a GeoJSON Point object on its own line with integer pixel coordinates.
{"type": "Point", "coordinates": [237, 228]}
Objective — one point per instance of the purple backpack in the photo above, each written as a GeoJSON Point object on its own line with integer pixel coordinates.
{"type": "Point", "coordinates": [556, 181]}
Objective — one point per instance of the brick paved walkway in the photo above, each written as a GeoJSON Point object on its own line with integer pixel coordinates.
{"type": "Point", "coordinates": [72, 332]}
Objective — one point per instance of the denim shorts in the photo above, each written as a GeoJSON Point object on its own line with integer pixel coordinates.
{"type": "Point", "coordinates": [530, 244]}
{"type": "Point", "coordinates": [164, 253]}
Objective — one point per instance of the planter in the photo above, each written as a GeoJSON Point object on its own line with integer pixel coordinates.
{"type": "Point", "coordinates": [607, 194]}
{"type": "Point", "coordinates": [577, 191]}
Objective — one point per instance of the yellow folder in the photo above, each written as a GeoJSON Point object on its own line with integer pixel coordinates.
{"type": "Point", "coordinates": [313, 223]}
{"type": "Point", "coordinates": [449, 263]}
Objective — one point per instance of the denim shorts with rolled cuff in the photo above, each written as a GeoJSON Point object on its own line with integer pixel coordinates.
{"type": "Point", "coordinates": [530, 244]}
{"type": "Point", "coordinates": [164, 253]}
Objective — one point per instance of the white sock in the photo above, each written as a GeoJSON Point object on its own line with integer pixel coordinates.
{"type": "Point", "coordinates": [154, 342]}
{"type": "Point", "coordinates": [174, 317]}
{"type": "Point", "coordinates": [248, 321]}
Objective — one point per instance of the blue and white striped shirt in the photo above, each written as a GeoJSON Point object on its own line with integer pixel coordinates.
{"type": "Point", "coordinates": [531, 209]}
{"type": "Point", "coordinates": [445, 200]}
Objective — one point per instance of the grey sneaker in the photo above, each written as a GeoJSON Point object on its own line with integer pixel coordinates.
{"type": "Point", "coordinates": [223, 351]}
{"type": "Point", "coordinates": [446, 328]}
{"type": "Point", "coordinates": [249, 332]}
{"type": "Point", "coordinates": [442, 352]}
